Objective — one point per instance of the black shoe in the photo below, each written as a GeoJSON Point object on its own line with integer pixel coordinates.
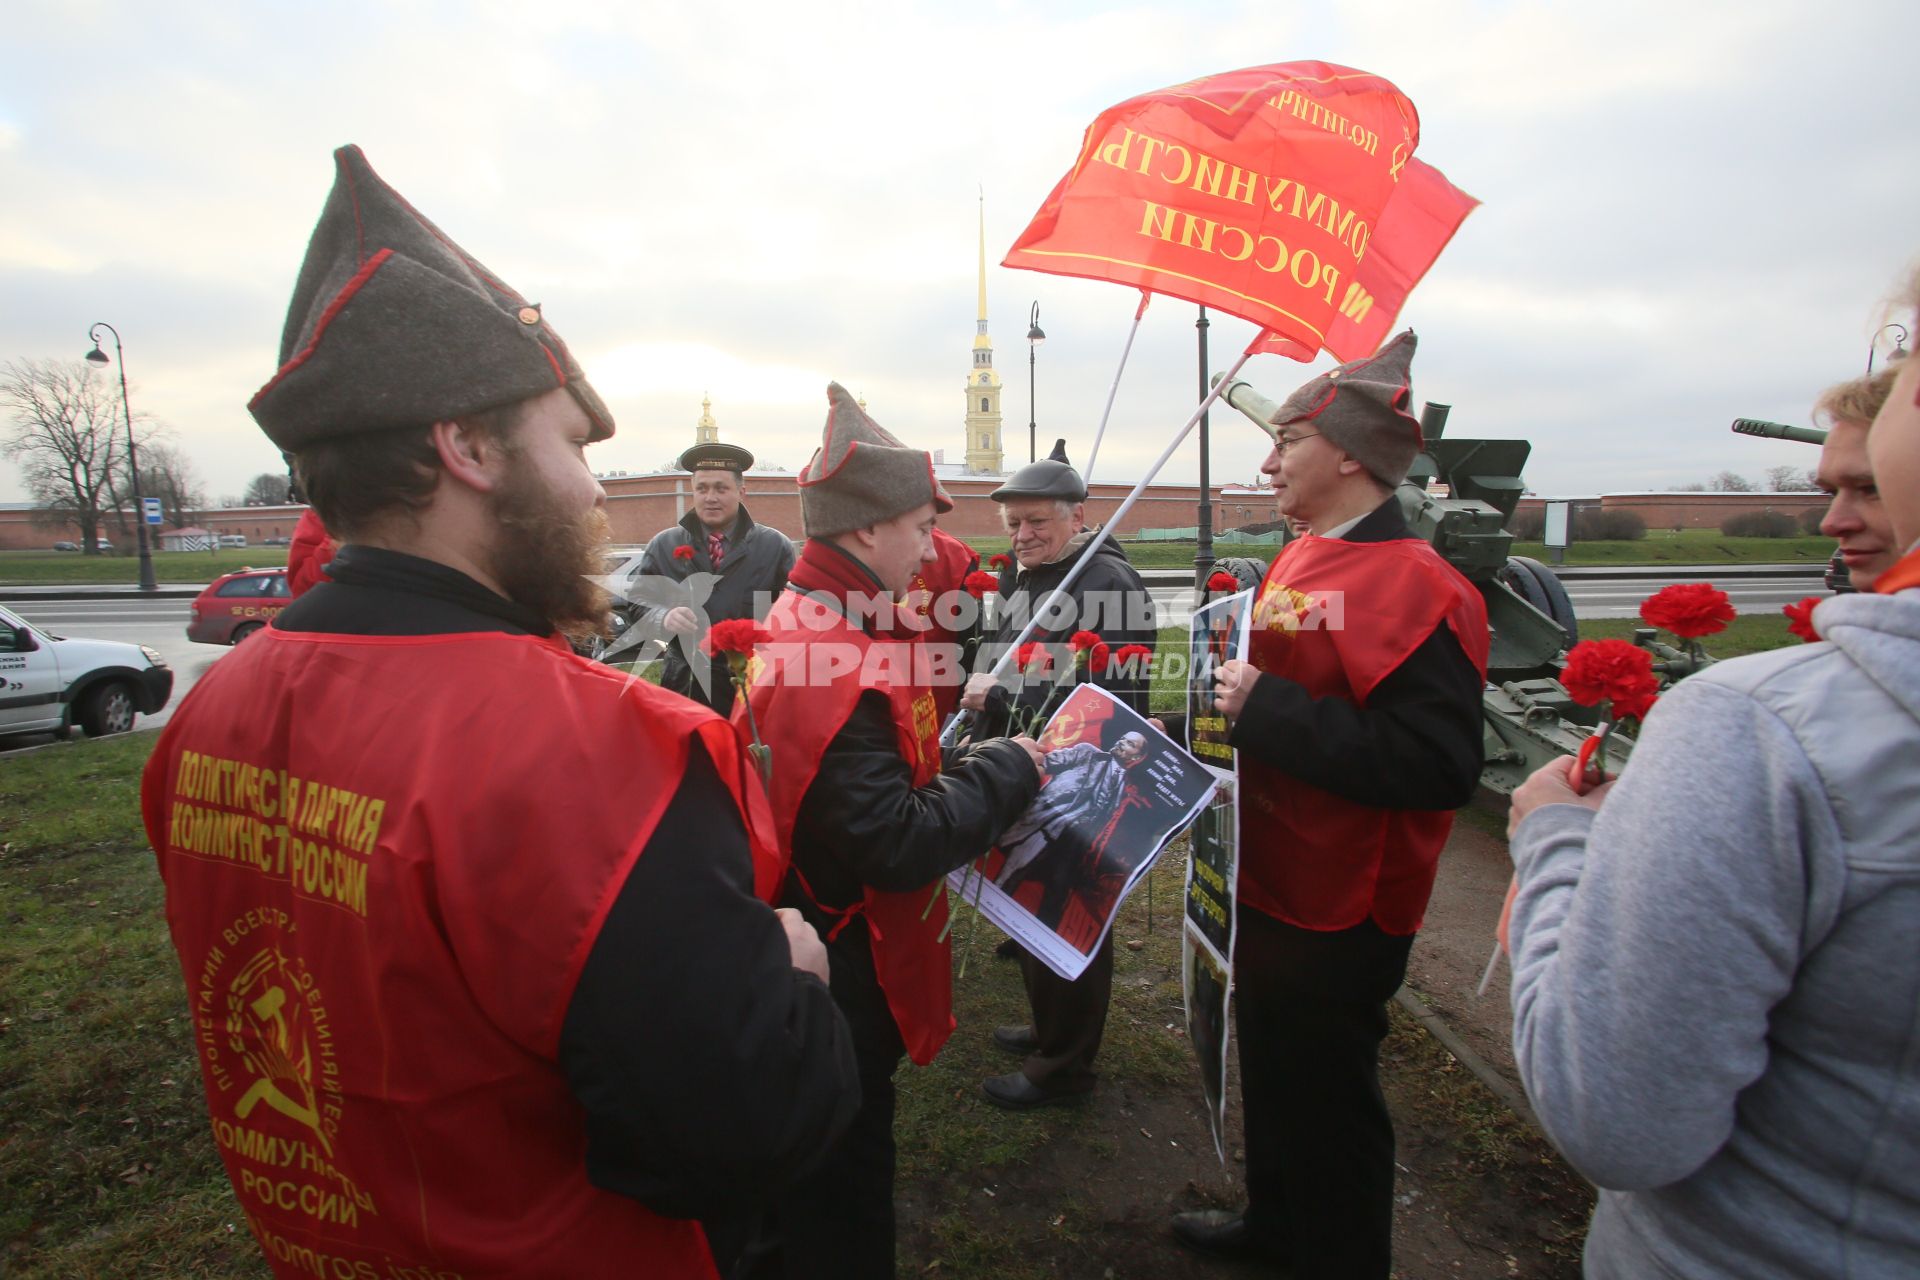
{"type": "Point", "coordinates": [1007, 950]}
{"type": "Point", "coordinates": [1020, 1039]}
{"type": "Point", "coordinates": [1219, 1233]}
{"type": "Point", "coordinates": [1017, 1093]}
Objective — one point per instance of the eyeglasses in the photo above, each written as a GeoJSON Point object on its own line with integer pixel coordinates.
{"type": "Point", "coordinates": [1282, 443]}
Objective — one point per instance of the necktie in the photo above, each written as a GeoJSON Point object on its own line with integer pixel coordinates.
{"type": "Point", "coordinates": [716, 548]}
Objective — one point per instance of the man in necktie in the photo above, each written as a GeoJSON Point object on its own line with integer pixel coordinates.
{"type": "Point", "coordinates": [747, 564]}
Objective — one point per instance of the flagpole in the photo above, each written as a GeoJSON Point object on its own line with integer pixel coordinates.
{"type": "Point", "coordinates": [1093, 455]}
{"type": "Point", "coordinates": [1113, 522]}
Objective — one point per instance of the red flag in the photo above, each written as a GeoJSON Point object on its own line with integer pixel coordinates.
{"type": "Point", "coordinates": [1286, 195]}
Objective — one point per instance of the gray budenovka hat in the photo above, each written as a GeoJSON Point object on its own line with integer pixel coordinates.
{"type": "Point", "coordinates": [392, 325]}
{"type": "Point", "coordinates": [1361, 407]}
{"type": "Point", "coordinates": [862, 475]}
{"type": "Point", "coordinates": [1051, 477]}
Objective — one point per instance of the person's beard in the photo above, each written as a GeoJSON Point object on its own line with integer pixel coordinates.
{"type": "Point", "coordinates": [546, 558]}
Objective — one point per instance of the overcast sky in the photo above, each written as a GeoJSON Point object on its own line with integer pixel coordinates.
{"type": "Point", "coordinates": [1690, 212]}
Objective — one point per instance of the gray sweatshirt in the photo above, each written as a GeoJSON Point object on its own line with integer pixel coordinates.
{"type": "Point", "coordinates": [1716, 987]}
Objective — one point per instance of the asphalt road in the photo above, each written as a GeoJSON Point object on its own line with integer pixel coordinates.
{"type": "Point", "coordinates": [1603, 598]}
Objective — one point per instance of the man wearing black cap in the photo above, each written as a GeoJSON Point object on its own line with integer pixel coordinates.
{"type": "Point", "coordinates": [873, 813]}
{"type": "Point", "coordinates": [467, 921]}
{"type": "Point", "coordinates": [1357, 720]}
{"type": "Point", "coordinates": [746, 566]}
{"type": "Point", "coordinates": [1043, 506]}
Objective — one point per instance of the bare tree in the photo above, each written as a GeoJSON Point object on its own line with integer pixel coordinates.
{"type": "Point", "coordinates": [168, 474]}
{"type": "Point", "coordinates": [1729, 482]}
{"type": "Point", "coordinates": [67, 437]}
{"type": "Point", "coordinates": [268, 489]}
{"type": "Point", "coordinates": [1790, 480]}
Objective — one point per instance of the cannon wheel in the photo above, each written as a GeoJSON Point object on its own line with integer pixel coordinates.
{"type": "Point", "coordinates": [1543, 591]}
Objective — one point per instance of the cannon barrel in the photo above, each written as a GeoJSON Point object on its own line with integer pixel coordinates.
{"type": "Point", "coordinates": [1778, 431]}
{"type": "Point", "coordinates": [1258, 409]}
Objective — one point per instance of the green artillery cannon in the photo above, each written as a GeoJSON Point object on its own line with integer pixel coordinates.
{"type": "Point", "coordinates": [1460, 495]}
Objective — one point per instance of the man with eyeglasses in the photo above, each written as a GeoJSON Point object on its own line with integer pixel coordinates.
{"type": "Point", "coordinates": [1357, 719]}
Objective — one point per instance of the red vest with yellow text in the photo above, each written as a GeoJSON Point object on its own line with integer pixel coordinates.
{"type": "Point", "coordinates": [386, 859]}
{"type": "Point", "coordinates": [806, 681]}
{"type": "Point", "coordinates": [1338, 617]}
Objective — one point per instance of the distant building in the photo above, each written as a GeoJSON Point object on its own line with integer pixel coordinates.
{"type": "Point", "coordinates": [707, 431]}
{"type": "Point", "coordinates": [983, 384]}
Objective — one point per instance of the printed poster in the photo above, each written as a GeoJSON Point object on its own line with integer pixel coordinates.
{"type": "Point", "coordinates": [1115, 790]}
{"type": "Point", "coordinates": [1216, 633]}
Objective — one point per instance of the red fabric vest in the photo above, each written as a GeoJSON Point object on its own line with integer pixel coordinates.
{"type": "Point", "coordinates": [383, 881]}
{"type": "Point", "coordinates": [805, 683]}
{"type": "Point", "coordinates": [947, 573]}
{"type": "Point", "coordinates": [1338, 617]}
{"type": "Point", "coordinates": [309, 553]}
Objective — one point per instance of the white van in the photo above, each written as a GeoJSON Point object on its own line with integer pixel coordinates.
{"type": "Point", "coordinates": [233, 540]}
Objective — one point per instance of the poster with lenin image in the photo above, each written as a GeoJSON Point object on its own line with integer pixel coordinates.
{"type": "Point", "coordinates": [1115, 790]}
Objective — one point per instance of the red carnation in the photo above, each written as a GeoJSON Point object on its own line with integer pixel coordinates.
{"type": "Point", "coordinates": [1083, 641]}
{"type": "Point", "coordinates": [978, 584]}
{"type": "Point", "coordinates": [1223, 581]}
{"type": "Point", "coordinates": [737, 635]}
{"type": "Point", "coordinates": [1800, 618]}
{"type": "Point", "coordinates": [1688, 609]}
{"type": "Point", "coordinates": [1635, 706]}
{"type": "Point", "coordinates": [1610, 671]}
{"type": "Point", "coordinates": [1000, 561]}
{"type": "Point", "coordinates": [683, 553]}
{"type": "Point", "coordinates": [1131, 654]}
{"type": "Point", "coordinates": [1032, 658]}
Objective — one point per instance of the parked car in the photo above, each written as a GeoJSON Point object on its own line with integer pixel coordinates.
{"type": "Point", "coordinates": [237, 605]}
{"type": "Point", "coordinates": [66, 546]}
{"type": "Point", "coordinates": [233, 540]}
{"type": "Point", "coordinates": [50, 682]}
{"type": "Point", "coordinates": [1839, 580]}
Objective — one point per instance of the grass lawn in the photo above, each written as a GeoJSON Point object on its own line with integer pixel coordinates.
{"type": "Point", "coordinates": [61, 568]}
{"type": "Point", "coordinates": [1748, 633]}
{"type": "Point", "coordinates": [106, 1167]}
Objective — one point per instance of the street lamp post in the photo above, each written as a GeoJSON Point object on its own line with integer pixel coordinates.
{"type": "Point", "coordinates": [1203, 549]}
{"type": "Point", "coordinates": [1034, 338]}
{"type": "Point", "coordinates": [1899, 351]}
{"type": "Point", "coordinates": [97, 356]}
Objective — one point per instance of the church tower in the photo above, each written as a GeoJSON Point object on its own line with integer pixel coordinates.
{"type": "Point", "coordinates": [983, 384]}
{"type": "Point", "coordinates": [708, 432]}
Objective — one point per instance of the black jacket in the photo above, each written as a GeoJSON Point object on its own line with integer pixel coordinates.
{"type": "Point", "coordinates": [1417, 744]}
{"type": "Point", "coordinates": [1109, 599]}
{"type": "Point", "coordinates": [863, 823]}
{"type": "Point", "coordinates": [751, 576]}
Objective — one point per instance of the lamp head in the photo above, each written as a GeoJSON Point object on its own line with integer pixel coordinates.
{"type": "Point", "coordinates": [97, 356]}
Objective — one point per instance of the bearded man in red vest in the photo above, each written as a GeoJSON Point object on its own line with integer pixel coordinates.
{"type": "Point", "coordinates": [467, 922]}
{"type": "Point", "coordinates": [870, 810]}
{"type": "Point", "coordinates": [1357, 720]}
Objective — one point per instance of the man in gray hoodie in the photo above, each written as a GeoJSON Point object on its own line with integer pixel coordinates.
{"type": "Point", "coordinates": [1716, 958]}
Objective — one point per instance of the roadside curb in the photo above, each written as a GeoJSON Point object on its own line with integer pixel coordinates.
{"type": "Point", "coordinates": [1495, 1082]}
{"type": "Point", "coordinates": [112, 592]}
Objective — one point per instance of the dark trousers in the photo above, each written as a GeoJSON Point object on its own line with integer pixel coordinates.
{"type": "Point", "coordinates": [1310, 1013]}
{"type": "Point", "coordinates": [1068, 1019]}
{"type": "Point", "coordinates": [836, 1222]}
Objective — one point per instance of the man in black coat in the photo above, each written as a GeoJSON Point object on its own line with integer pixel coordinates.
{"type": "Point", "coordinates": [1044, 508]}
{"type": "Point", "coordinates": [714, 565]}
